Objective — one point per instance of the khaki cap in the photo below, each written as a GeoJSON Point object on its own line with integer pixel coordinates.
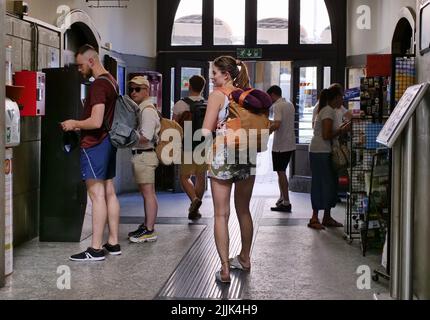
{"type": "Point", "coordinates": [140, 81]}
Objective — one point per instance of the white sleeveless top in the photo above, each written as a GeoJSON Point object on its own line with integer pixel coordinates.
{"type": "Point", "coordinates": [223, 113]}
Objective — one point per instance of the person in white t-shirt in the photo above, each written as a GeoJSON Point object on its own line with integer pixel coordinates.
{"type": "Point", "coordinates": [342, 114]}
{"type": "Point", "coordinates": [324, 178]}
{"type": "Point", "coordinates": [284, 144]}
{"type": "Point", "coordinates": [181, 110]}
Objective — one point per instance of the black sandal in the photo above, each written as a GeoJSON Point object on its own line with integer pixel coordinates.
{"type": "Point", "coordinates": [331, 223]}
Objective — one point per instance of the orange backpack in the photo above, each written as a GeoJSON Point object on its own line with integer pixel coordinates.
{"type": "Point", "coordinates": [255, 125]}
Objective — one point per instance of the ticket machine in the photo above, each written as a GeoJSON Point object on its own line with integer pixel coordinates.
{"type": "Point", "coordinates": [33, 98]}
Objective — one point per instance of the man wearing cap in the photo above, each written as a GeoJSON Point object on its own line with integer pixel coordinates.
{"type": "Point", "coordinates": [98, 156]}
{"type": "Point", "coordinates": [144, 160]}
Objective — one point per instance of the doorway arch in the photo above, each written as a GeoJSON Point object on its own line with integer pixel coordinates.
{"type": "Point", "coordinates": [403, 41]}
{"type": "Point", "coordinates": [77, 29]}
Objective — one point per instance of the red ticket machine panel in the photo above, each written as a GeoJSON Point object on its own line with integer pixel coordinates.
{"type": "Point", "coordinates": [32, 102]}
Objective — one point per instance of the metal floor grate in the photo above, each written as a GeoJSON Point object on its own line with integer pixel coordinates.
{"type": "Point", "coordinates": [194, 277]}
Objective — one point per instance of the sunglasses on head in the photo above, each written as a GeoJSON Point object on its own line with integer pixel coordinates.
{"type": "Point", "coordinates": [137, 89]}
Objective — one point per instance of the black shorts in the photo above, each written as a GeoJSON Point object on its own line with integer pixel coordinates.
{"type": "Point", "coordinates": [281, 160]}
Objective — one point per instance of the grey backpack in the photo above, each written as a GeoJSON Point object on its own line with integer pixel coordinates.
{"type": "Point", "coordinates": [124, 130]}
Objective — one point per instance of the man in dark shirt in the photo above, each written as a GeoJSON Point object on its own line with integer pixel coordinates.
{"type": "Point", "coordinates": [98, 156]}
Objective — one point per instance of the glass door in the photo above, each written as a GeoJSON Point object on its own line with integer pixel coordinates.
{"type": "Point", "coordinates": [306, 85]}
{"type": "Point", "coordinates": [309, 78]}
{"type": "Point", "coordinates": [307, 99]}
{"type": "Point", "coordinates": [180, 77]}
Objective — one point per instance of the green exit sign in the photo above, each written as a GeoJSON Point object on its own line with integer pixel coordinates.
{"type": "Point", "coordinates": [247, 53]}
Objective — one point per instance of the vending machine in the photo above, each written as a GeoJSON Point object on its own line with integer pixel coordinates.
{"type": "Point", "coordinates": [63, 195]}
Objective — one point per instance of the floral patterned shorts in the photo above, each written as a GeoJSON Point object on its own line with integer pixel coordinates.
{"type": "Point", "coordinates": [221, 169]}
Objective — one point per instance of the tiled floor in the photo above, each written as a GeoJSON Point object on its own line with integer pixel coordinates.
{"type": "Point", "coordinates": [139, 273]}
{"type": "Point", "coordinates": [289, 260]}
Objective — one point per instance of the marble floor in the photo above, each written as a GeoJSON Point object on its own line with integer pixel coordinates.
{"type": "Point", "coordinates": [289, 260]}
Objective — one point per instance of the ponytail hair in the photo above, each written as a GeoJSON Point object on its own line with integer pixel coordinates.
{"type": "Point", "coordinates": [324, 95]}
{"type": "Point", "coordinates": [327, 96]}
{"type": "Point", "coordinates": [242, 80]}
{"type": "Point", "coordinates": [237, 70]}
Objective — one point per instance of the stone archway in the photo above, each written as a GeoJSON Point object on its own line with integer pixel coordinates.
{"type": "Point", "coordinates": [404, 33]}
{"type": "Point", "coordinates": [77, 29]}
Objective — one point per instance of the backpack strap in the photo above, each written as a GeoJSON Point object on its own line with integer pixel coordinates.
{"type": "Point", "coordinates": [110, 81]}
{"type": "Point", "coordinates": [160, 116]}
{"type": "Point", "coordinates": [192, 103]}
{"type": "Point", "coordinates": [153, 108]}
{"type": "Point", "coordinates": [226, 92]}
{"type": "Point", "coordinates": [188, 101]}
{"type": "Point", "coordinates": [105, 121]}
{"type": "Point", "coordinates": [244, 95]}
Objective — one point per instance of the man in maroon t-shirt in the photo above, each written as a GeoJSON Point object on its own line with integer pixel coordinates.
{"type": "Point", "coordinates": [98, 156]}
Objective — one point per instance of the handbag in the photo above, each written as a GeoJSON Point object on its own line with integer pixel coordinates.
{"type": "Point", "coordinates": [340, 156]}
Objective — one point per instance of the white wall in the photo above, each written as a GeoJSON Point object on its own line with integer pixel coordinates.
{"type": "Point", "coordinates": [2, 152]}
{"type": "Point", "coordinates": [384, 18]}
{"type": "Point", "coordinates": [131, 30]}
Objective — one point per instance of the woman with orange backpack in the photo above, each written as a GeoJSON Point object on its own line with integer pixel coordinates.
{"type": "Point", "coordinates": [229, 76]}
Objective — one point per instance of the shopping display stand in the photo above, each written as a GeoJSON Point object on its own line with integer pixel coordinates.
{"type": "Point", "coordinates": [356, 193]}
{"type": "Point", "coordinates": [403, 76]}
{"type": "Point", "coordinates": [363, 147]}
{"type": "Point", "coordinates": [399, 133]}
{"type": "Point", "coordinates": [377, 219]}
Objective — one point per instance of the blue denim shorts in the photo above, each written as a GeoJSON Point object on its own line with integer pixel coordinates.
{"type": "Point", "coordinates": [99, 162]}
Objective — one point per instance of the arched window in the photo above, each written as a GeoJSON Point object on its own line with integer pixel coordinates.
{"type": "Point", "coordinates": [315, 22]}
{"type": "Point", "coordinates": [229, 22]}
{"type": "Point", "coordinates": [187, 29]}
{"type": "Point", "coordinates": [307, 33]}
{"type": "Point", "coordinates": [272, 22]}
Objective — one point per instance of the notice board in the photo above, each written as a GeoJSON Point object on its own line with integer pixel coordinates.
{"type": "Point", "coordinates": [401, 114]}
